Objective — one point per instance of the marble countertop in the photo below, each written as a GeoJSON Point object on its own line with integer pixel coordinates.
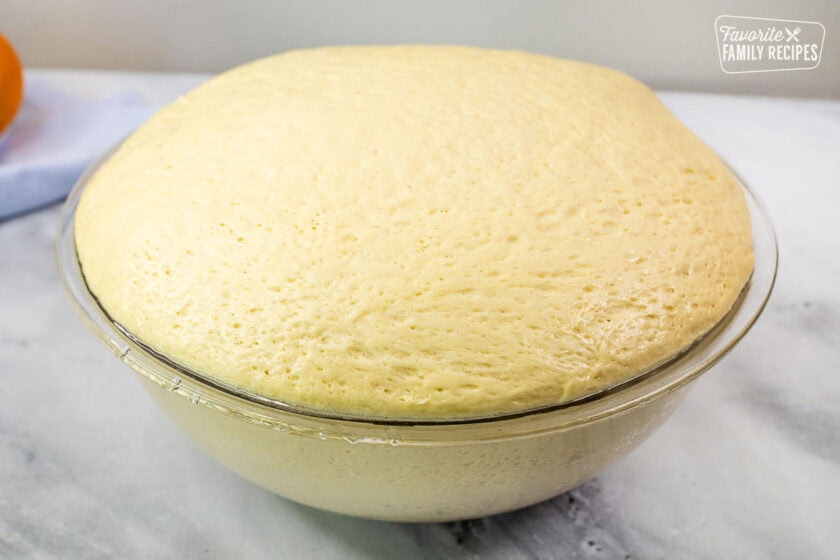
{"type": "Point", "coordinates": [748, 467]}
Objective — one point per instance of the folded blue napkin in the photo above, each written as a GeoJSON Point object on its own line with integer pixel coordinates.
{"type": "Point", "coordinates": [54, 138]}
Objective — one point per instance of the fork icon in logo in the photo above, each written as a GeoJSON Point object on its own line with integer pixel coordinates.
{"type": "Point", "coordinates": [792, 35]}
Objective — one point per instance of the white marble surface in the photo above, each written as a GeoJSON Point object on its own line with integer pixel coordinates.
{"type": "Point", "coordinates": [749, 467]}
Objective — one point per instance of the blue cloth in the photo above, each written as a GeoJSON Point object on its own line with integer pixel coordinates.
{"type": "Point", "coordinates": [54, 138]}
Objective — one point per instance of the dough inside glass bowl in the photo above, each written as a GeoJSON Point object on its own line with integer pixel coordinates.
{"type": "Point", "coordinates": [415, 232]}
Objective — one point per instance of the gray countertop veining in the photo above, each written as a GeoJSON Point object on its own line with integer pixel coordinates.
{"type": "Point", "coordinates": [748, 467]}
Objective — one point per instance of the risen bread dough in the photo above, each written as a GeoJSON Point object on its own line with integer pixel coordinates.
{"type": "Point", "coordinates": [427, 232]}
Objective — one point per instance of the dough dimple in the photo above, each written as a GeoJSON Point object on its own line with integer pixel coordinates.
{"type": "Point", "coordinates": [428, 232]}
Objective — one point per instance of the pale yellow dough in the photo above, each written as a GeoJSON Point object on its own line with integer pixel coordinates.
{"type": "Point", "coordinates": [428, 232]}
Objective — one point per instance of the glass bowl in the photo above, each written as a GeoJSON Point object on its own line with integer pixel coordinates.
{"type": "Point", "coordinates": [425, 470]}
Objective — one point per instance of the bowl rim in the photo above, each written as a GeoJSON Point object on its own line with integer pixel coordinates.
{"type": "Point", "coordinates": [663, 378]}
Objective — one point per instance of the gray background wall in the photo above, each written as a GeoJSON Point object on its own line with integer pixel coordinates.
{"type": "Point", "coordinates": [668, 44]}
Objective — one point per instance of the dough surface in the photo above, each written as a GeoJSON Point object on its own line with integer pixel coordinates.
{"type": "Point", "coordinates": [416, 232]}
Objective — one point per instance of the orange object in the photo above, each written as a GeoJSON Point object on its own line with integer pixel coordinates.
{"type": "Point", "coordinates": [11, 83]}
